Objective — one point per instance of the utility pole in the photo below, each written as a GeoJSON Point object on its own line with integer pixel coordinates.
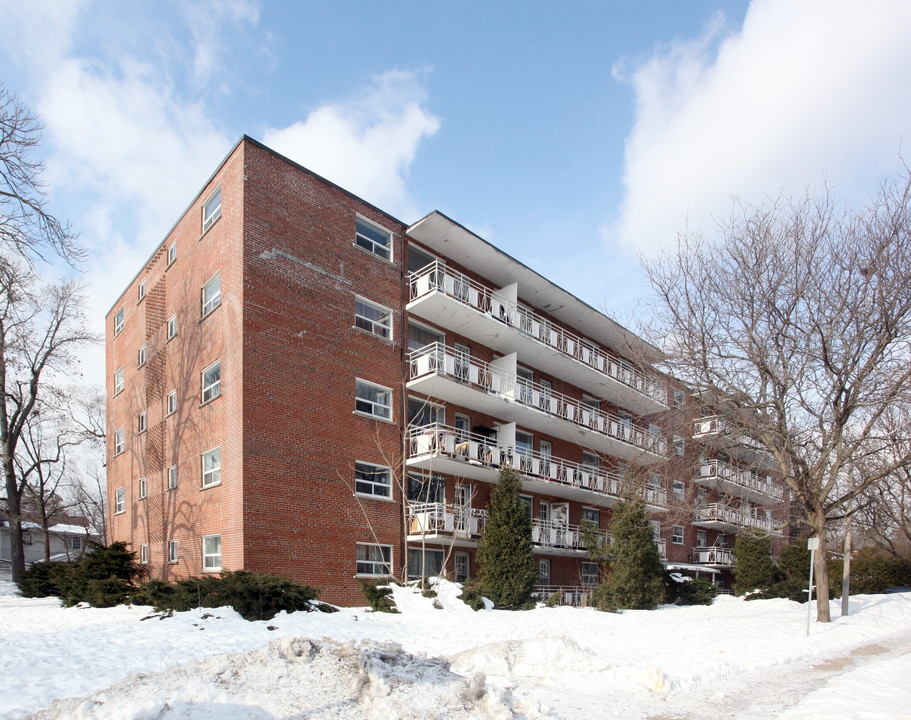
{"type": "Point", "coordinates": [812, 545]}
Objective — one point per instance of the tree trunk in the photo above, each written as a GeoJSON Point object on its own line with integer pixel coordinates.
{"type": "Point", "coordinates": [17, 549]}
{"type": "Point", "coordinates": [820, 568]}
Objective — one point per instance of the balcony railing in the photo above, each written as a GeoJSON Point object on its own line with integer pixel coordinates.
{"type": "Point", "coordinates": [713, 556]}
{"type": "Point", "coordinates": [444, 519]}
{"type": "Point", "coordinates": [437, 358]}
{"type": "Point", "coordinates": [720, 432]}
{"type": "Point", "coordinates": [718, 513]}
{"type": "Point", "coordinates": [479, 450]}
{"type": "Point", "coordinates": [571, 595]}
{"type": "Point", "coordinates": [438, 277]}
{"type": "Point", "coordinates": [720, 470]}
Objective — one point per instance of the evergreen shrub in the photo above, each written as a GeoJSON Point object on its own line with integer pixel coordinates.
{"type": "Point", "coordinates": [471, 596]}
{"type": "Point", "coordinates": [379, 595]}
{"type": "Point", "coordinates": [753, 568]}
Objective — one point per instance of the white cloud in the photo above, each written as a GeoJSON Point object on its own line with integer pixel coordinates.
{"type": "Point", "coordinates": [804, 92]}
{"type": "Point", "coordinates": [367, 143]}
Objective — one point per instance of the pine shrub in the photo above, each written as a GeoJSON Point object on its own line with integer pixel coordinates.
{"type": "Point", "coordinates": [507, 563]}
{"type": "Point", "coordinates": [753, 567]}
{"type": "Point", "coordinates": [471, 596]}
{"type": "Point", "coordinates": [695, 591]}
{"type": "Point", "coordinates": [43, 579]}
{"type": "Point", "coordinates": [872, 571]}
{"type": "Point", "coordinates": [379, 596]}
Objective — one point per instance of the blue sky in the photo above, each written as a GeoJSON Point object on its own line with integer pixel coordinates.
{"type": "Point", "coordinates": [572, 136]}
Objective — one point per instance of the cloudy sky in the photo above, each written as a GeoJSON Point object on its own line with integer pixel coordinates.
{"type": "Point", "coordinates": [572, 137]}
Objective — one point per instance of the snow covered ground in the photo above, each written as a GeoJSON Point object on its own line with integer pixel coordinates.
{"type": "Point", "coordinates": [734, 659]}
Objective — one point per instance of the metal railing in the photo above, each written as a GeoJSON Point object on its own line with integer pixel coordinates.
{"type": "Point", "coordinates": [713, 556]}
{"type": "Point", "coordinates": [720, 470]}
{"type": "Point", "coordinates": [476, 449]}
{"type": "Point", "coordinates": [718, 512]}
{"type": "Point", "coordinates": [446, 519]}
{"type": "Point", "coordinates": [438, 277]}
{"type": "Point", "coordinates": [437, 358]}
{"type": "Point", "coordinates": [573, 596]}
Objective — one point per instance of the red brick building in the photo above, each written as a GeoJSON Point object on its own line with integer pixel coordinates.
{"type": "Point", "coordinates": [299, 383]}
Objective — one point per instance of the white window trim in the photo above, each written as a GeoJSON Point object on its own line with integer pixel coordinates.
{"type": "Point", "coordinates": [679, 441]}
{"type": "Point", "coordinates": [172, 323]}
{"type": "Point", "coordinates": [120, 503]}
{"type": "Point", "coordinates": [118, 328]}
{"type": "Point", "coordinates": [172, 484]}
{"type": "Point", "coordinates": [119, 441]}
{"type": "Point", "coordinates": [214, 568]}
{"type": "Point", "coordinates": [373, 496]}
{"type": "Point", "coordinates": [141, 291]}
{"type": "Point", "coordinates": [172, 253]}
{"type": "Point", "coordinates": [391, 257]}
{"type": "Point", "coordinates": [171, 410]}
{"type": "Point", "coordinates": [142, 423]}
{"type": "Point", "coordinates": [215, 215]}
{"type": "Point", "coordinates": [142, 355]}
{"type": "Point", "coordinates": [681, 486]}
{"type": "Point", "coordinates": [390, 569]}
{"type": "Point", "coordinates": [674, 535]}
{"type": "Point", "coordinates": [374, 323]}
{"type": "Point", "coordinates": [593, 509]}
{"type": "Point", "coordinates": [214, 483]}
{"type": "Point", "coordinates": [371, 415]}
{"type": "Point", "coordinates": [143, 488]}
{"type": "Point", "coordinates": [144, 553]}
{"type": "Point", "coordinates": [213, 303]}
{"type": "Point", "coordinates": [173, 555]}
{"type": "Point", "coordinates": [214, 387]}
{"type": "Point", "coordinates": [119, 386]}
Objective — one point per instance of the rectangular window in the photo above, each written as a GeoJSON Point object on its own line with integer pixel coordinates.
{"type": "Point", "coordinates": [172, 402]}
{"type": "Point", "coordinates": [372, 480]}
{"type": "Point", "coordinates": [118, 322]}
{"type": "Point", "coordinates": [700, 496]}
{"type": "Point", "coordinates": [591, 461]}
{"type": "Point", "coordinates": [172, 551]}
{"type": "Point", "coordinates": [141, 423]}
{"type": "Point", "coordinates": [143, 488]}
{"type": "Point", "coordinates": [211, 382]}
{"type": "Point", "coordinates": [677, 535]}
{"type": "Point", "coordinates": [172, 477]}
{"type": "Point", "coordinates": [374, 559]}
{"type": "Point", "coordinates": [654, 481]}
{"type": "Point", "coordinates": [76, 544]}
{"type": "Point", "coordinates": [679, 489]}
{"type": "Point", "coordinates": [678, 399]}
{"type": "Point", "coordinates": [372, 399]}
{"type": "Point", "coordinates": [701, 538]}
{"type": "Point", "coordinates": [462, 567]}
{"type": "Point", "coordinates": [172, 253]}
{"type": "Point", "coordinates": [211, 294]}
{"type": "Point", "coordinates": [142, 356]}
{"type": "Point", "coordinates": [144, 554]}
{"type": "Point", "coordinates": [172, 327]}
{"type": "Point", "coordinates": [211, 210]}
{"type": "Point", "coordinates": [426, 489]}
{"type": "Point", "coordinates": [424, 562]}
{"type": "Point", "coordinates": [373, 318]}
{"type": "Point", "coordinates": [211, 553]}
{"type": "Point", "coordinates": [118, 381]}
{"type": "Point", "coordinates": [118, 441]}
{"type": "Point", "coordinates": [142, 289]}
{"type": "Point", "coordinates": [678, 445]}
{"type": "Point", "coordinates": [589, 574]}
{"type": "Point", "coordinates": [120, 503]}
{"type": "Point", "coordinates": [592, 515]}
{"type": "Point", "coordinates": [373, 238]}
{"type": "Point", "coordinates": [211, 468]}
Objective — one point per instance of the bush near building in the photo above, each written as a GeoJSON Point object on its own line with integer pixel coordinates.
{"type": "Point", "coordinates": [754, 568]}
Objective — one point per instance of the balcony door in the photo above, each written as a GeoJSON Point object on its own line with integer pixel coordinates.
{"type": "Point", "coordinates": [462, 520]}
{"type": "Point", "coordinates": [543, 571]}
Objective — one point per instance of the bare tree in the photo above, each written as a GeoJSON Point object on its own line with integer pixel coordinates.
{"type": "Point", "coordinates": [27, 228]}
{"type": "Point", "coordinates": [41, 327]}
{"type": "Point", "coordinates": [799, 319]}
{"type": "Point", "coordinates": [88, 490]}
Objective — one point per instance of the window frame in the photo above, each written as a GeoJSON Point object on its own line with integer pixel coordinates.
{"type": "Point", "coordinates": [679, 485]}
{"type": "Point", "coordinates": [120, 500]}
{"type": "Point", "coordinates": [119, 441]}
{"type": "Point", "coordinates": [144, 554]}
{"type": "Point", "coordinates": [370, 244]}
{"type": "Point", "coordinates": [173, 555]}
{"type": "Point", "coordinates": [141, 355]}
{"type": "Point", "coordinates": [210, 554]}
{"type": "Point", "coordinates": [213, 388]}
{"type": "Point", "coordinates": [172, 477]}
{"type": "Point", "coordinates": [143, 488]}
{"type": "Point", "coordinates": [210, 218]}
{"type": "Point", "coordinates": [119, 381]}
{"type": "Point", "coordinates": [358, 382]}
{"type": "Point", "coordinates": [172, 328]}
{"type": "Point", "coordinates": [387, 570]}
{"type": "Point", "coordinates": [373, 324]}
{"type": "Point", "coordinates": [587, 509]}
{"type": "Point", "coordinates": [172, 253]}
{"type": "Point", "coordinates": [171, 406]}
{"type": "Point", "coordinates": [675, 535]}
{"type": "Point", "coordinates": [678, 401]}
{"type": "Point", "coordinates": [590, 573]}
{"type": "Point", "coordinates": [373, 484]}
{"type": "Point", "coordinates": [213, 303]}
{"type": "Point", "coordinates": [213, 471]}
{"type": "Point", "coordinates": [118, 322]}
{"type": "Point", "coordinates": [141, 291]}
{"type": "Point", "coordinates": [141, 423]}
{"type": "Point", "coordinates": [679, 445]}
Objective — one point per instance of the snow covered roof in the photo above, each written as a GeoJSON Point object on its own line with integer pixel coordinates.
{"type": "Point", "coordinates": [63, 529]}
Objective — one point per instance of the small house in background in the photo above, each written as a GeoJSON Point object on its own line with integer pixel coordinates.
{"type": "Point", "coordinates": [67, 541]}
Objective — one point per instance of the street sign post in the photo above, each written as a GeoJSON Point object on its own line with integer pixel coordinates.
{"type": "Point", "coordinates": [812, 546]}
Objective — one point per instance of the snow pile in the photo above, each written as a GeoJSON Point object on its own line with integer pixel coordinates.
{"type": "Point", "coordinates": [292, 678]}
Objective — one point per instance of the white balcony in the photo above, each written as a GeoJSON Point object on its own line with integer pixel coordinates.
{"type": "Point", "coordinates": [714, 556]}
{"type": "Point", "coordinates": [459, 526]}
{"type": "Point", "coordinates": [739, 482]}
{"type": "Point", "coordinates": [444, 449]}
{"type": "Point", "coordinates": [718, 516]}
{"type": "Point", "coordinates": [494, 319]}
{"type": "Point", "coordinates": [720, 433]}
{"type": "Point", "coordinates": [440, 372]}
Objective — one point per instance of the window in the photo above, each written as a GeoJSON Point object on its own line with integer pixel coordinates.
{"type": "Point", "coordinates": [374, 559]}
{"type": "Point", "coordinates": [172, 253]}
{"type": "Point", "coordinates": [372, 400]}
{"type": "Point", "coordinates": [76, 543]}
{"type": "Point", "coordinates": [654, 481]}
{"type": "Point", "coordinates": [118, 441]}
{"type": "Point", "coordinates": [462, 567]}
{"type": "Point", "coordinates": [172, 477]}
{"type": "Point", "coordinates": [426, 489]}
{"type": "Point", "coordinates": [142, 289]}
{"type": "Point", "coordinates": [143, 488]}
{"type": "Point", "coordinates": [118, 322]}
{"type": "Point", "coordinates": [589, 574]}
{"type": "Point", "coordinates": [701, 538]}
{"type": "Point", "coordinates": [374, 319]}
{"type": "Point", "coordinates": [679, 489]}
{"type": "Point", "coordinates": [592, 515]}
{"type": "Point", "coordinates": [172, 402]}
{"type": "Point", "coordinates": [172, 327]}
{"type": "Point", "coordinates": [118, 381]}
{"type": "Point", "coordinates": [677, 535]}
{"type": "Point", "coordinates": [211, 553]}
{"type": "Point", "coordinates": [424, 562]}
{"type": "Point", "coordinates": [373, 238]}
{"type": "Point", "coordinates": [678, 445]}
{"type": "Point", "coordinates": [211, 210]}
{"type": "Point", "coordinates": [678, 399]}
{"type": "Point", "coordinates": [211, 294]}
{"type": "Point", "coordinates": [172, 551]}
{"type": "Point", "coordinates": [422, 413]}
{"type": "Point", "coordinates": [372, 480]}
{"type": "Point", "coordinates": [700, 496]}
{"type": "Point", "coordinates": [590, 461]}
{"type": "Point", "coordinates": [144, 554]}
{"type": "Point", "coordinates": [211, 468]}
{"type": "Point", "coordinates": [141, 423]}
{"type": "Point", "coordinates": [211, 382]}
{"type": "Point", "coordinates": [120, 503]}
{"type": "Point", "coordinates": [142, 356]}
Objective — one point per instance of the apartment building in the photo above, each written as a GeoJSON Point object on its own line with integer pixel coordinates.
{"type": "Point", "coordinates": [302, 384]}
